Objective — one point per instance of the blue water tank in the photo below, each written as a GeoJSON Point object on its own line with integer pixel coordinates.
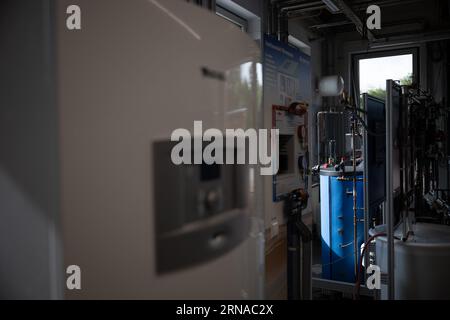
{"type": "Point", "coordinates": [336, 205]}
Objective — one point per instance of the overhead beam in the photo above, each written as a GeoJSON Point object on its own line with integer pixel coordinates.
{"type": "Point", "coordinates": [330, 25]}
{"type": "Point", "coordinates": [410, 38]}
{"type": "Point", "coordinates": [350, 14]}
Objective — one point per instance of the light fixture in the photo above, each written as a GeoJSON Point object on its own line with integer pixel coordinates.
{"type": "Point", "coordinates": [331, 86]}
{"type": "Point", "coordinates": [332, 6]}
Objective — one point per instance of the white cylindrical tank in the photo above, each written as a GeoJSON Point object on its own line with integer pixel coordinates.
{"type": "Point", "coordinates": [137, 226]}
{"type": "Point", "coordinates": [422, 263]}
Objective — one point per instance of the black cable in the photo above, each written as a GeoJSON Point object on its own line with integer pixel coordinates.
{"type": "Point", "coordinates": [366, 127]}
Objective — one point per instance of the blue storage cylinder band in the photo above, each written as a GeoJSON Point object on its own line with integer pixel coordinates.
{"type": "Point", "coordinates": [336, 204]}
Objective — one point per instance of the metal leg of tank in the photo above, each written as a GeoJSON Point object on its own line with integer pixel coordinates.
{"type": "Point", "coordinates": [293, 255]}
{"type": "Point", "coordinates": [299, 260]}
{"type": "Point", "coordinates": [306, 259]}
{"type": "Point", "coordinates": [299, 251]}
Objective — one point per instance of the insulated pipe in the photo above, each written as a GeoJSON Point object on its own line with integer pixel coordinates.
{"type": "Point", "coordinates": [275, 20]}
{"type": "Point", "coordinates": [265, 20]}
{"type": "Point", "coordinates": [318, 136]}
{"type": "Point", "coordinates": [355, 209]}
{"type": "Point", "coordinates": [389, 189]}
{"type": "Point", "coordinates": [283, 26]}
{"type": "Point", "coordinates": [366, 182]}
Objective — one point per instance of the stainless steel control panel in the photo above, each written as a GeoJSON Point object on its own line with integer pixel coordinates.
{"type": "Point", "coordinates": [200, 210]}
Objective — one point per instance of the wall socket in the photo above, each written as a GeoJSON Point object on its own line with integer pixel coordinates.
{"type": "Point", "coordinates": [274, 228]}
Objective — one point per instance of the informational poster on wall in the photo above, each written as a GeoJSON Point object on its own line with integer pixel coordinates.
{"type": "Point", "coordinates": [287, 94]}
{"type": "Point", "coordinates": [287, 73]}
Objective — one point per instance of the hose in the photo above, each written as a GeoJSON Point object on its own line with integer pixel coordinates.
{"type": "Point", "coordinates": [366, 127]}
